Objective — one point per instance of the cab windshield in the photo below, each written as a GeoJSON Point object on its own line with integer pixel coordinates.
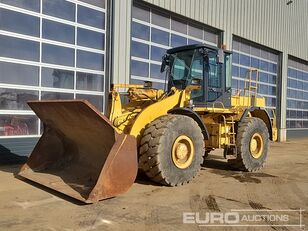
{"type": "Point", "coordinates": [191, 64]}
{"type": "Point", "coordinates": [185, 66]}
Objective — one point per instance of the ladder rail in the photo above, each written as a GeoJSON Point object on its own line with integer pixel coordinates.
{"type": "Point", "coordinates": [231, 135]}
{"type": "Point", "coordinates": [251, 90]}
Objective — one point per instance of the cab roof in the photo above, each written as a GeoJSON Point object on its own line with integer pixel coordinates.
{"type": "Point", "coordinates": [192, 47]}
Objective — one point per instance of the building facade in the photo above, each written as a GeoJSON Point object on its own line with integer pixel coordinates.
{"type": "Point", "coordinates": [69, 49]}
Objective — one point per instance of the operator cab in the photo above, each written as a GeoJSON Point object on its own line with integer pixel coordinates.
{"type": "Point", "coordinates": [202, 65]}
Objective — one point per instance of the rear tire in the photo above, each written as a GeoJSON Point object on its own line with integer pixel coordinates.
{"type": "Point", "coordinates": [252, 145]}
{"type": "Point", "coordinates": [161, 146]}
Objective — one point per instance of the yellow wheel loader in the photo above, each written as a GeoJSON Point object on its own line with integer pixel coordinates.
{"type": "Point", "coordinates": [165, 133]}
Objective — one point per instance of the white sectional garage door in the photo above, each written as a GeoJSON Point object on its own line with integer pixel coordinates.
{"type": "Point", "coordinates": [246, 55]}
{"type": "Point", "coordinates": [297, 99]}
{"type": "Point", "coordinates": [55, 51]}
{"type": "Point", "coordinates": [153, 32]}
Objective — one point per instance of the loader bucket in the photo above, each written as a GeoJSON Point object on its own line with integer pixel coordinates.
{"type": "Point", "coordinates": [80, 154]}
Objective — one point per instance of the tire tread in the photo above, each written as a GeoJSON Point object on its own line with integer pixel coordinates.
{"type": "Point", "coordinates": [149, 160]}
{"type": "Point", "coordinates": [241, 162]}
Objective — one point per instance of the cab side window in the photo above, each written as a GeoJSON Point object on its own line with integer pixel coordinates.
{"type": "Point", "coordinates": [197, 72]}
{"type": "Point", "coordinates": [214, 78]}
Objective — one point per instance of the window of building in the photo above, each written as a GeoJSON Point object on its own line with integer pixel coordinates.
{"type": "Point", "coordinates": [33, 5]}
{"type": "Point", "coordinates": [18, 48]}
{"type": "Point", "coordinates": [14, 73]}
{"type": "Point", "coordinates": [27, 24]}
{"type": "Point", "coordinates": [60, 9]}
{"type": "Point", "coordinates": [92, 39]}
{"type": "Point", "coordinates": [57, 78]}
{"type": "Point", "coordinates": [58, 55]}
{"type": "Point", "coordinates": [89, 82]}
{"type": "Point", "coordinates": [58, 31]}
{"type": "Point", "coordinates": [16, 99]}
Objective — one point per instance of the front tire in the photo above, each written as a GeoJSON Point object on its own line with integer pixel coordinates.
{"type": "Point", "coordinates": [171, 150]}
{"type": "Point", "coordinates": [252, 145]}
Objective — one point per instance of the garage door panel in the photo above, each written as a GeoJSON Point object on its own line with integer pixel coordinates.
{"type": "Point", "coordinates": [153, 32]}
{"type": "Point", "coordinates": [246, 55]}
{"type": "Point", "coordinates": [297, 95]}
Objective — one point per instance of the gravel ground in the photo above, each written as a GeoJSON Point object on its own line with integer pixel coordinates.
{"type": "Point", "coordinates": [281, 185]}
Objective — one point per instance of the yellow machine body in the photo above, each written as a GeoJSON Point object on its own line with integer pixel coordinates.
{"type": "Point", "coordinates": [131, 118]}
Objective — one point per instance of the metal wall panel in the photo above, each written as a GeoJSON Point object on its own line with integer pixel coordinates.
{"type": "Point", "coordinates": [121, 41]}
{"type": "Point", "coordinates": [268, 22]}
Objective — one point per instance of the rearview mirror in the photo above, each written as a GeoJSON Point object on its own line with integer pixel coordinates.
{"type": "Point", "coordinates": [162, 67]}
{"type": "Point", "coordinates": [165, 62]}
{"type": "Point", "coordinates": [221, 56]}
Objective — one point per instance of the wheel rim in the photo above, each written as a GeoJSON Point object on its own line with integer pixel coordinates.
{"type": "Point", "coordinates": [256, 146]}
{"type": "Point", "coordinates": [183, 152]}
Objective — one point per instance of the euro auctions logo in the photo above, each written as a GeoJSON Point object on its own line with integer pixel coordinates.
{"type": "Point", "coordinates": [211, 218]}
{"type": "Point", "coordinates": [248, 218]}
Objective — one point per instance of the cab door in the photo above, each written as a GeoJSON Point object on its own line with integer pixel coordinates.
{"type": "Point", "coordinates": [214, 82]}
{"type": "Point", "coordinates": [207, 69]}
